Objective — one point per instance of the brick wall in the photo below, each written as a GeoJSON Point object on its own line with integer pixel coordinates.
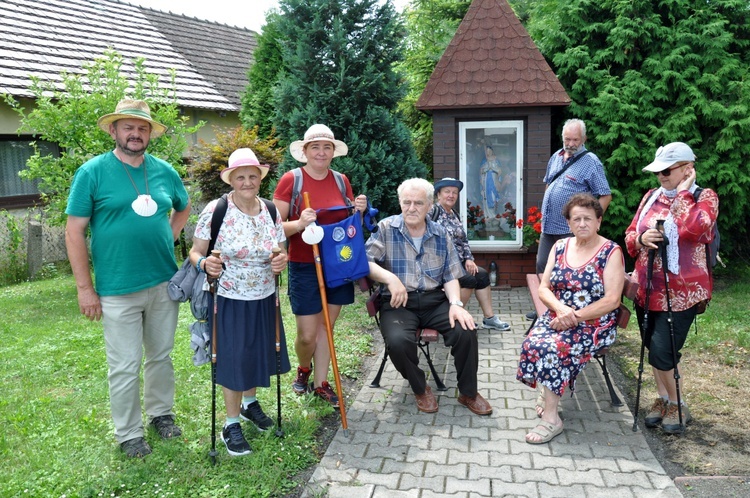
{"type": "Point", "coordinates": [512, 265]}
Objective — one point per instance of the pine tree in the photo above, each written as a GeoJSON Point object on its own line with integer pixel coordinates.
{"type": "Point", "coordinates": [337, 69]}
{"type": "Point", "coordinates": [642, 74]}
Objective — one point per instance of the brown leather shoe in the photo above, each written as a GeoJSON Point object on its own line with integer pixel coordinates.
{"type": "Point", "coordinates": [426, 402]}
{"type": "Point", "coordinates": [477, 404]}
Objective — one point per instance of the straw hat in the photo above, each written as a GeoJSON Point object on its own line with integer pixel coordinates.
{"type": "Point", "coordinates": [240, 158]}
{"type": "Point", "coordinates": [317, 133]}
{"type": "Point", "coordinates": [132, 109]}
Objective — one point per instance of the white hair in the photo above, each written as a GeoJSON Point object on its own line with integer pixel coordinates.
{"type": "Point", "coordinates": [576, 122]}
{"type": "Point", "coordinates": [417, 184]}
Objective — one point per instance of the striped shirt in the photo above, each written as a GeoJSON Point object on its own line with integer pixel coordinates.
{"type": "Point", "coordinates": [419, 269]}
{"type": "Point", "coordinates": [585, 175]}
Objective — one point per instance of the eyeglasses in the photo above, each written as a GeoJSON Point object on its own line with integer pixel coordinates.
{"type": "Point", "coordinates": [667, 172]}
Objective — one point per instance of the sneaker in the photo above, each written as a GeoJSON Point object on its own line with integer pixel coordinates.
{"type": "Point", "coordinates": [166, 427]}
{"type": "Point", "coordinates": [254, 413]}
{"type": "Point", "coordinates": [301, 384]}
{"type": "Point", "coordinates": [235, 440]}
{"type": "Point", "coordinates": [531, 315]}
{"type": "Point", "coordinates": [656, 414]}
{"type": "Point", "coordinates": [671, 422]}
{"type": "Point", "coordinates": [495, 323]}
{"type": "Point", "coordinates": [136, 447]}
{"type": "Point", "coordinates": [325, 392]}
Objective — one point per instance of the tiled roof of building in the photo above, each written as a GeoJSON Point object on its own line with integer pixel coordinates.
{"type": "Point", "coordinates": [41, 38]}
{"type": "Point", "coordinates": [491, 62]}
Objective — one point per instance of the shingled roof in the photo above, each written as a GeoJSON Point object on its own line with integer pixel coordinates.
{"type": "Point", "coordinates": [41, 38]}
{"type": "Point", "coordinates": [491, 62]}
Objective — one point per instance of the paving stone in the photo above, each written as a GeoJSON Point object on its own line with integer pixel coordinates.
{"type": "Point", "coordinates": [481, 486]}
{"type": "Point", "coordinates": [392, 450]}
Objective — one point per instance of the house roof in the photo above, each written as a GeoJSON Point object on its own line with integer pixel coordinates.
{"type": "Point", "coordinates": [42, 38]}
{"type": "Point", "coordinates": [491, 62]}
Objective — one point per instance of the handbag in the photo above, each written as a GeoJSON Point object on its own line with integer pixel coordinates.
{"type": "Point", "coordinates": [342, 250]}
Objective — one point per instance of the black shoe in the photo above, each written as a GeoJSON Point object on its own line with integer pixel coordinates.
{"type": "Point", "coordinates": [235, 440]}
{"type": "Point", "coordinates": [254, 413]}
{"type": "Point", "coordinates": [531, 315]}
{"type": "Point", "coordinates": [136, 447]}
{"type": "Point", "coordinates": [166, 427]}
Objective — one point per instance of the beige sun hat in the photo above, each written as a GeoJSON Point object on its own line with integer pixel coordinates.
{"type": "Point", "coordinates": [240, 158]}
{"type": "Point", "coordinates": [132, 109]}
{"type": "Point", "coordinates": [317, 133]}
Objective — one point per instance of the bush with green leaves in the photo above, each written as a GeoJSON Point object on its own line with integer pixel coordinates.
{"type": "Point", "coordinates": [67, 116]}
{"type": "Point", "coordinates": [211, 158]}
{"type": "Point", "coordinates": [642, 74]}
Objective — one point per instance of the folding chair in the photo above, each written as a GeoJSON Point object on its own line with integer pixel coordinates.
{"type": "Point", "coordinates": [425, 336]}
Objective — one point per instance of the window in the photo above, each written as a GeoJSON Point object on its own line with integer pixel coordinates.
{"type": "Point", "coordinates": [491, 167]}
{"type": "Point", "coordinates": [16, 192]}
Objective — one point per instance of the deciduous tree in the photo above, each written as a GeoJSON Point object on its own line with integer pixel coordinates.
{"type": "Point", "coordinates": [68, 117]}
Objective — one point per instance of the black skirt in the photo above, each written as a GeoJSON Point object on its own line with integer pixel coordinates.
{"type": "Point", "coordinates": [246, 343]}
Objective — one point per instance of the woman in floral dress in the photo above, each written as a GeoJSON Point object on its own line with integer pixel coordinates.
{"type": "Point", "coordinates": [581, 287]}
{"type": "Point", "coordinates": [246, 318]}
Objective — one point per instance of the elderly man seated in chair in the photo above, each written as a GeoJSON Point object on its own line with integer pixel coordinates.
{"type": "Point", "coordinates": [416, 261]}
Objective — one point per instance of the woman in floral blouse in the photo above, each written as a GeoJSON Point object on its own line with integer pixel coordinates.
{"type": "Point", "coordinates": [476, 278]}
{"type": "Point", "coordinates": [581, 287]}
{"type": "Point", "coordinates": [688, 227]}
{"type": "Point", "coordinates": [246, 318]}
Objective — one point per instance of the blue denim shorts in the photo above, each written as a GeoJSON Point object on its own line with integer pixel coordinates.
{"type": "Point", "coordinates": [304, 290]}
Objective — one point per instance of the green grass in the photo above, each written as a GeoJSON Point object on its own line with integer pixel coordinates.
{"type": "Point", "coordinates": [57, 437]}
{"type": "Point", "coordinates": [722, 331]}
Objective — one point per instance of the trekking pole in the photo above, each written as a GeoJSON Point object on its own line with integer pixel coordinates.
{"type": "Point", "coordinates": [329, 328]}
{"type": "Point", "coordinates": [279, 433]}
{"type": "Point", "coordinates": [644, 334]}
{"type": "Point", "coordinates": [212, 283]}
{"type": "Point", "coordinates": [670, 321]}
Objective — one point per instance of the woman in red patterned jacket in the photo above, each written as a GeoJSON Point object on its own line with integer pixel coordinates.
{"type": "Point", "coordinates": [687, 228]}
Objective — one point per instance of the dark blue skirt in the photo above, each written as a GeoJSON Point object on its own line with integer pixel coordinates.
{"type": "Point", "coordinates": [246, 343]}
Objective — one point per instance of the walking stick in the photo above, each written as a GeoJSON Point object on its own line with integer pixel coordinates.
{"type": "Point", "coordinates": [644, 334]}
{"type": "Point", "coordinates": [329, 328]}
{"type": "Point", "coordinates": [212, 282]}
{"type": "Point", "coordinates": [670, 321]}
{"type": "Point", "coordinates": [279, 433]}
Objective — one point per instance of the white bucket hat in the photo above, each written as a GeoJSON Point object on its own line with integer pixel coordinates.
{"type": "Point", "coordinates": [240, 158]}
{"type": "Point", "coordinates": [317, 133]}
{"type": "Point", "coordinates": [669, 154]}
{"type": "Point", "coordinates": [132, 109]}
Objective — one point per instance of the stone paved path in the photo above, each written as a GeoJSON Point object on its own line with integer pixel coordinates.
{"type": "Point", "coordinates": [392, 450]}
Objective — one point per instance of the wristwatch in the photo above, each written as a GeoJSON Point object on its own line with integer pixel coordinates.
{"type": "Point", "coordinates": [457, 303]}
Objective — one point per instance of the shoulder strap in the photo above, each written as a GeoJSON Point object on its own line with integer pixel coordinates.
{"type": "Point", "coordinates": [217, 218]}
{"type": "Point", "coordinates": [271, 208]}
{"type": "Point", "coordinates": [342, 186]}
{"type": "Point", "coordinates": [434, 213]}
{"type": "Point", "coordinates": [297, 187]}
{"type": "Point", "coordinates": [571, 162]}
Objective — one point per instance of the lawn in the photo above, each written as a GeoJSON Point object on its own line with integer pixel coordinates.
{"type": "Point", "coordinates": [57, 438]}
{"type": "Point", "coordinates": [714, 381]}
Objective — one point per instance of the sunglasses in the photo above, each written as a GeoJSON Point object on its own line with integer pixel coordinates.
{"type": "Point", "coordinates": [668, 172]}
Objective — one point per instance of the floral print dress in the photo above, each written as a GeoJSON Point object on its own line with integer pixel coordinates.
{"type": "Point", "coordinates": [554, 358]}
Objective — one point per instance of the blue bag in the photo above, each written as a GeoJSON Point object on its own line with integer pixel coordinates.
{"type": "Point", "coordinates": [342, 250]}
